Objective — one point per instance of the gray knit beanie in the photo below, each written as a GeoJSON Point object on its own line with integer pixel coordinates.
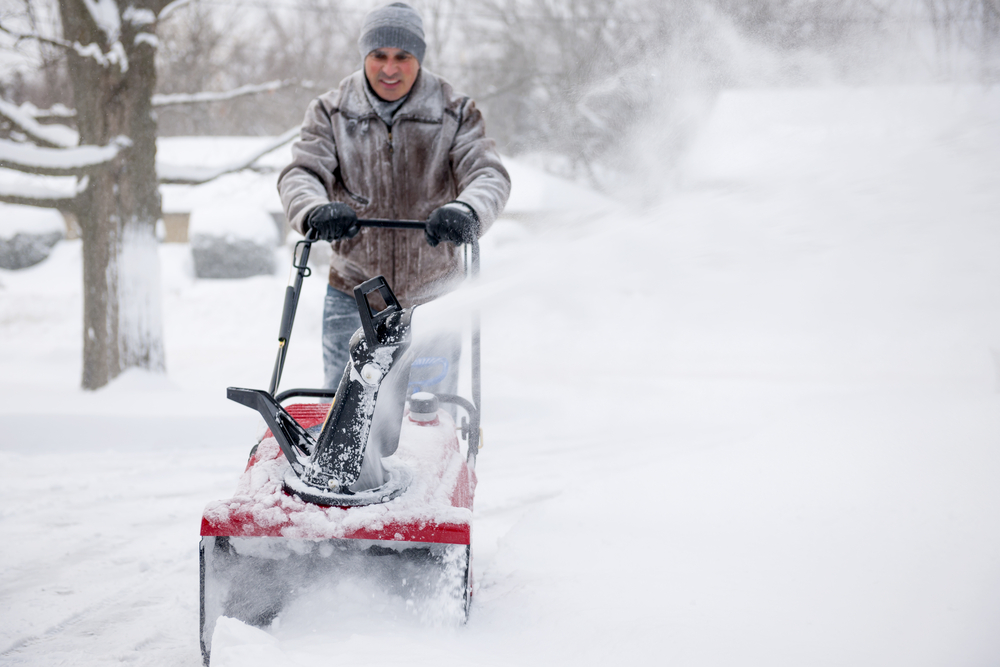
{"type": "Point", "coordinates": [396, 26]}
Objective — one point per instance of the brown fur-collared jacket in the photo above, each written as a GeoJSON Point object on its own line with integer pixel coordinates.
{"type": "Point", "coordinates": [435, 152]}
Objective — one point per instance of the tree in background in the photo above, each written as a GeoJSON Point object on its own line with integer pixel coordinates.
{"type": "Point", "coordinates": [599, 85]}
{"type": "Point", "coordinates": [109, 51]}
{"type": "Point", "coordinates": [968, 24]}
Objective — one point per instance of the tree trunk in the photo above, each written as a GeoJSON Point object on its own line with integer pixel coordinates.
{"type": "Point", "coordinates": [119, 207]}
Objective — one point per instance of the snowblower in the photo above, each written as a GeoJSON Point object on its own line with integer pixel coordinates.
{"type": "Point", "coordinates": [374, 483]}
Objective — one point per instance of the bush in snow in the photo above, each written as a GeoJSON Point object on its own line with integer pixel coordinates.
{"type": "Point", "coordinates": [232, 241]}
{"type": "Point", "coordinates": [27, 234]}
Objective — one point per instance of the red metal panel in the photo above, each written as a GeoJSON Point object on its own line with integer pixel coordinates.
{"type": "Point", "coordinates": [441, 533]}
{"type": "Point", "coordinates": [239, 522]}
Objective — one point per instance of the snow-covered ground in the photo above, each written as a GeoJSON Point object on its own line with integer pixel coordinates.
{"type": "Point", "coordinates": [758, 424]}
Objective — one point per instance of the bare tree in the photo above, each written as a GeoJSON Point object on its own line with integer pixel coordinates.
{"type": "Point", "coordinates": [109, 48]}
{"type": "Point", "coordinates": [549, 71]}
{"type": "Point", "coordinates": [212, 47]}
{"type": "Point", "coordinates": [968, 24]}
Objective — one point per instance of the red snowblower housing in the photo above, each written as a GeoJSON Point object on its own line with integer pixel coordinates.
{"type": "Point", "coordinates": [374, 484]}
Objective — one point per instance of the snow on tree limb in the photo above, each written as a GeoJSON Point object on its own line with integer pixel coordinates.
{"type": "Point", "coordinates": [114, 56]}
{"type": "Point", "coordinates": [139, 17]}
{"type": "Point", "coordinates": [104, 14]}
{"type": "Point", "coordinates": [36, 196]}
{"type": "Point", "coordinates": [172, 7]}
{"type": "Point", "coordinates": [200, 98]}
{"type": "Point", "coordinates": [190, 175]}
{"type": "Point", "coordinates": [51, 41]}
{"type": "Point", "coordinates": [55, 112]}
{"type": "Point", "coordinates": [48, 136]}
{"type": "Point", "coordinates": [32, 159]}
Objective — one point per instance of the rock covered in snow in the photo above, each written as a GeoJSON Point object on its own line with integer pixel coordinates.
{"type": "Point", "coordinates": [232, 241]}
{"type": "Point", "coordinates": [27, 234]}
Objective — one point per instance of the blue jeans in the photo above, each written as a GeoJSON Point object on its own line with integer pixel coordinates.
{"type": "Point", "coordinates": [340, 321]}
{"type": "Point", "coordinates": [435, 368]}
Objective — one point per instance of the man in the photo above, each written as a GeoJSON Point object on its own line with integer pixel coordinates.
{"type": "Point", "coordinates": [393, 141]}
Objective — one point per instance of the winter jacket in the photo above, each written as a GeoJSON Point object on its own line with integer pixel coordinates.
{"type": "Point", "coordinates": [436, 151]}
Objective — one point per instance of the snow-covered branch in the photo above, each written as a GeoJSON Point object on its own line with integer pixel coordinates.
{"type": "Point", "coordinates": [115, 55]}
{"type": "Point", "coordinates": [32, 159]}
{"type": "Point", "coordinates": [140, 18]}
{"type": "Point", "coordinates": [104, 14]}
{"type": "Point", "coordinates": [51, 41]}
{"type": "Point", "coordinates": [40, 197]}
{"type": "Point", "coordinates": [173, 7]}
{"type": "Point", "coordinates": [201, 98]}
{"type": "Point", "coordinates": [48, 136]}
{"type": "Point", "coordinates": [55, 112]}
{"type": "Point", "coordinates": [190, 175]}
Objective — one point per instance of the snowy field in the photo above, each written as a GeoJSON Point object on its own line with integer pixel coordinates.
{"type": "Point", "coordinates": [756, 424]}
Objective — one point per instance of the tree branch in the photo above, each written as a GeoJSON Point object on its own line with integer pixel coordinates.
{"type": "Point", "coordinates": [56, 112]}
{"type": "Point", "coordinates": [48, 136]}
{"type": "Point", "coordinates": [172, 7]}
{"type": "Point", "coordinates": [180, 175]}
{"type": "Point", "coordinates": [61, 43]}
{"type": "Point", "coordinates": [31, 159]}
{"type": "Point", "coordinates": [105, 16]}
{"type": "Point", "coordinates": [41, 198]}
{"type": "Point", "coordinates": [160, 101]}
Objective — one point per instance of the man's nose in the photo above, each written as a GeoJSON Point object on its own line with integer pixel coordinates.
{"type": "Point", "coordinates": [390, 68]}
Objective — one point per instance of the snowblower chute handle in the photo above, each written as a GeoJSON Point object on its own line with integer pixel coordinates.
{"type": "Point", "coordinates": [371, 318]}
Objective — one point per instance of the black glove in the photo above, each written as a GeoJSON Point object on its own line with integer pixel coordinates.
{"type": "Point", "coordinates": [333, 221]}
{"type": "Point", "coordinates": [452, 222]}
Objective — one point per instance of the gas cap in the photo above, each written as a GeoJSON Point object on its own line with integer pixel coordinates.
{"type": "Point", "coordinates": [423, 407]}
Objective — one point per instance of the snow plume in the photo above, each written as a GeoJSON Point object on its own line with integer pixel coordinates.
{"type": "Point", "coordinates": [635, 120]}
{"type": "Point", "coordinates": [139, 314]}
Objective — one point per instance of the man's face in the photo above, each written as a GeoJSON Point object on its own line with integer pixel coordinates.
{"type": "Point", "coordinates": [391, 72]}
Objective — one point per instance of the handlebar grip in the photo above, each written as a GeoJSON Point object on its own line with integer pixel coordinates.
{"type": "Point", "coordinates": [392, 224]}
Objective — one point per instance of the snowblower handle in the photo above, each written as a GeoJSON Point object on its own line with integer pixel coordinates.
{"type": "Point", "coordinates": [392, 224]}
{"type": "Point", "coordinates": [417, 224]}
{"type": "Point", "coordinates": [291, 305]}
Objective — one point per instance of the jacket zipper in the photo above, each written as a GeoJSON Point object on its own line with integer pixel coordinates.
{"type": "Point", "coordinates": [392, 237]}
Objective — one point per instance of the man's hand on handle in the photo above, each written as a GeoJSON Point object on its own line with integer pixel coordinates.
{"type": "Point", "coordinates": [333, 221]}
{"type": "Point", "coordinates": [453, 222]}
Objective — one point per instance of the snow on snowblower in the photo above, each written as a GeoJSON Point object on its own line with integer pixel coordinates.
{"type": "Point", "coordinates": [360, 485]}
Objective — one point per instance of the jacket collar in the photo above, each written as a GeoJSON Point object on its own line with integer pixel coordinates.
{"type": "Point", "coordinates": [425, 101]}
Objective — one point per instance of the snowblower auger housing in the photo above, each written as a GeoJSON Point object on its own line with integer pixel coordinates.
{"type": "Point", "coordinates": [359, 487]}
